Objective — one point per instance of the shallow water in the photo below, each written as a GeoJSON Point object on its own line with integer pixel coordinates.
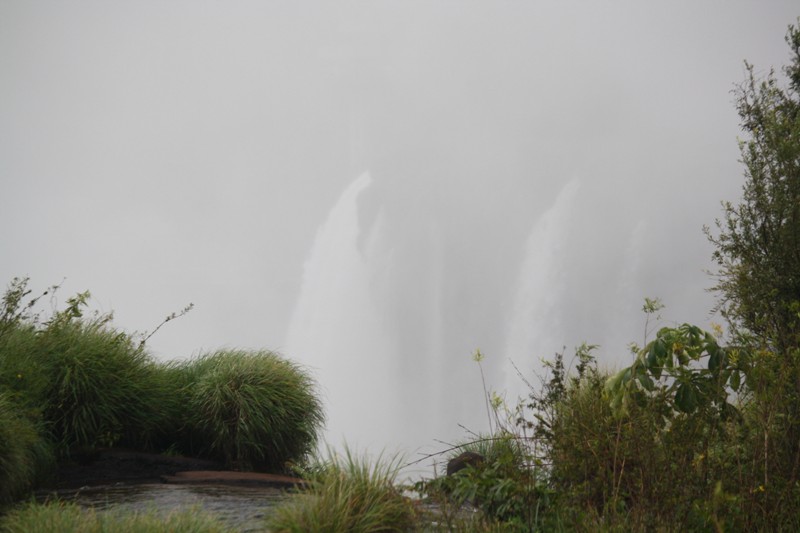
{"type": "Point", "coordinates": [243, 508]}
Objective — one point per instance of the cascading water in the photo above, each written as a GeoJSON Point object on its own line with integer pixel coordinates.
{"type": "Point", "coordinates": [536, 324]}
{"type": "Point", "coordinates": [395, 300]}
{"type": "Point", "coordinates": [377, 347]}
{"type": "Point", "coordinates": [335, 328]}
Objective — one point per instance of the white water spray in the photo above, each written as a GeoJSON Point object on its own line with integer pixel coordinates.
{"type": "Point", "coordinates": [393, 303]}
{"type": "Point", "coordinates": [536, 324]}
{"type": "Point", "coordinates": [336, 330]}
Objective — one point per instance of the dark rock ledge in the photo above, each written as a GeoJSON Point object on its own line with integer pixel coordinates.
{"type": "Point", "coordinates": [233, 478]}
{"type": "Point", "coordinates": [117, 466]}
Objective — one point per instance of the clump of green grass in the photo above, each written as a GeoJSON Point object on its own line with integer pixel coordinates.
{"type": "Point", "coordinates": [24, 455]}
{"type": "Point", "coordinates": [99, 391]}
{"type": "Point", "coordinates": [91, 386]}
{"type": "Point", "coordinates": [70, 518]}
{"type": "Point", "coordinates": [348, 495]}
{"type": "Point", "coordinates": [81, 381]}
{"type": "Point", "coordinates": [253, 410]}
{"type": "Point", "coordinates": [23, 374]}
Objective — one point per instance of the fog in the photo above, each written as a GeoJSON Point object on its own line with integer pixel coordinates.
{"type": "Point", "coordinates": [377, 189]}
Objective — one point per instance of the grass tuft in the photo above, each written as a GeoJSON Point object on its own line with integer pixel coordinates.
{"type": "Point", "coordinates": [99, 391]}
{"type": "Point", "coordinates": [253, 410]}
{"type": "Point", "coordinates": [24, 455]}
{"type": "Point", "coordinates": [70, 518]}
{"type": "Point", "coordinates": [348, 495]}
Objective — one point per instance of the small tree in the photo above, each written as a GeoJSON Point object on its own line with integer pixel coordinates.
{"type": "Point", "coordinates": [758, 253]}
{"type": "Point", "coordinates": [758, 245]}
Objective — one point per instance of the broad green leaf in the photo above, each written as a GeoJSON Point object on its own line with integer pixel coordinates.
{"type": "Point", "coordinates": [626, 376]}
{"type": "Point", "coordinates": [685, 398]}
{"type": "Point", "coordinates": [646, 382]}
{"type": "Point", "coordinates": [660, 349]}
{"type": "Point", "coordinates": [714, 360]}
{"type": "Point", "coordinates": [652, 359]}
{"type": "Point", "coordinates": [735, 380]}
{"type": "Point", "coordinates": [613, 384]}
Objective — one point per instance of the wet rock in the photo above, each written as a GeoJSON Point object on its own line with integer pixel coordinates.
{"type": "Point", "coordinates": [466, 459]}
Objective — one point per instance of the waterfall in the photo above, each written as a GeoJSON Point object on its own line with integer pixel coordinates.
{"type": "Point", "coordinates": [536, 324]}
{"type": "Point", "coordinates": [369, 323]}
{"type": "Point", "coordinates": [397, 293]}
{"type": "Point", "coordinates": [336, 330]}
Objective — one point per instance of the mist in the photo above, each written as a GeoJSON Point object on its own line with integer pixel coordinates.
{"type": "Point", "coordinates": [378, 189]}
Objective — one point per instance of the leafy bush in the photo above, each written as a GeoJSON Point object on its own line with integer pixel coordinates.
{"type": "Point", "coordinates": [509, 486]}
{"type": "Point", "coordinates": [584, 458]}
{"type": "Point", "coordinates": [347, 495]}
{"type": "Point", "coordinates": [505, 492]}
{"type": "Point", "coordinates": [254, 410]}
{"type": "Point", "coordinates": [758, 289]}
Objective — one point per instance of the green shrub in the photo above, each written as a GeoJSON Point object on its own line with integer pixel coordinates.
{"type": "Point", "coordinates": [577, 462]}
{"type": "Point", "coordinates": [25, 456]}
{"type": "Point", "coordinates": [23, 374]}
{"type": "Point", "coordinates": [347, 495]}
{"type": "Point", "coordinates": [99, 391]}
{"type": "Point", "coordinates": [70, 518]}
{"type": "Point", "coordinates": [506, 486]}
{"type": "Point", "coordinates": [253, 410]}
{"type": "Point", "coordinates": [85, 382]}
{"type": "Point", "coordinates": [164, 399]}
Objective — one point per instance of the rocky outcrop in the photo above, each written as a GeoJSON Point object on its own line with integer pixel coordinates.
{"type": "Point", "coordinates": [466, 459]}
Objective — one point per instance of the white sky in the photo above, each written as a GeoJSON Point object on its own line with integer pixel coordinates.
{"type": "Point", "coordinates": [160, 153]}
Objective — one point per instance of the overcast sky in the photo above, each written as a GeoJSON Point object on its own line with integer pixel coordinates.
{"type": "Point", "coordinates": [526, 159]}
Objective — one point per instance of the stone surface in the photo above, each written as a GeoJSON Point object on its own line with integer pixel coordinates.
{"type": "Point", "coordinates": [464, 460]}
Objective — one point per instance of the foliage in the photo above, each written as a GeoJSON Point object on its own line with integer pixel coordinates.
{"type": "Point", "coordinates": [70, 518]}
{"type": "Point", "coordinates": [70, 382]}
{"type": "Point", "coordinates": [25, 455]}
{"type": "Point", "coordinates": [17, 308]}
{"type": "Point", "coordinates": [503, 446]}
{"type": "Point", "coordinates": [668, 368]}
{"type": "Point", "coordinates": [758, 245]}
{"type": "Point", "coordinates": [254, 410]}
{"type": "Point", "coordinates": [509, 486]}
{"type": "Point", "coordinates": [506, 491]}
{"type": "Point", "coordinates": [645, 466]}
{"type": "Point", "coordinates": [758, 254]}
{"type": "Point", "coordinates": [348, 495]}
{"type": "Point", "coordinates": [622, 452]}
{"type": "Point", "coordinates": [98, 387]}
{"type": "Point", "coordinates": [83, 382]}
{"type": "Point", "coordinates": [23, 374]}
